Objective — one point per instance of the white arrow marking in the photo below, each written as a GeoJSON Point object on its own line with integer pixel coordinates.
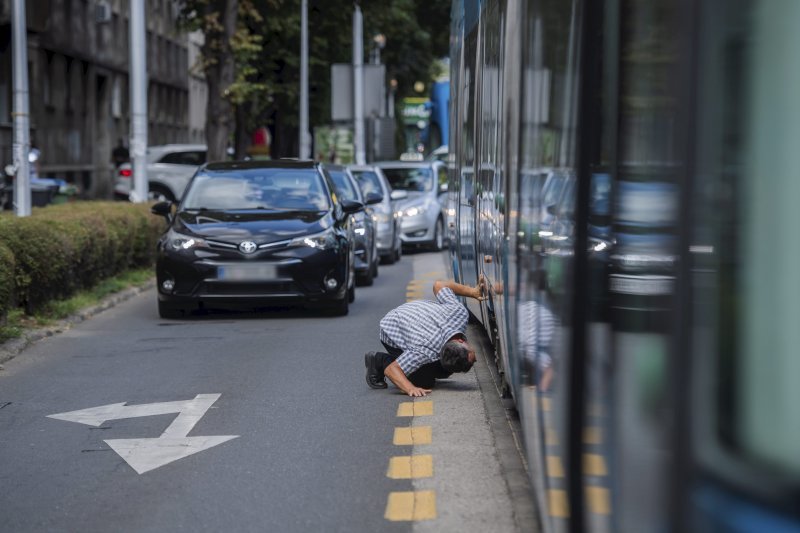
{"type": "Point", "coordinates": [147, 454]}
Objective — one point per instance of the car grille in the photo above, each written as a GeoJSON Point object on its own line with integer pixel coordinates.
{"type": "Point", "coordinates": [251, 288]}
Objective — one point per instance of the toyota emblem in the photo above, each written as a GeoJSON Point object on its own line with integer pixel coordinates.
{"type": "Point", "coordinates": [248, 247]}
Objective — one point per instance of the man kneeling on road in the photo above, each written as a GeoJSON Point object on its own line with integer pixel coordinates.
{"type": "Point", "coordinates": [425, 340]}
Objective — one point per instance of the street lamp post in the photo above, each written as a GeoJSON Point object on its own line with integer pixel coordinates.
{"type": "Point", "coordinates": [305, 144]}
{"type": "Point", "coordinates": [22, 143]}
{"type": "Point", "coordinates": [358, 87]}
{"type": "Point", "coordinates": [138, 91]}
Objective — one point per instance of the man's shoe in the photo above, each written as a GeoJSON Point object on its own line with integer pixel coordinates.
{"type": "Point", "coordinates": [374, 376]}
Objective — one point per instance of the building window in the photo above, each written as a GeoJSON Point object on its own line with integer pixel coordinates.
{"type": "Point", "coordinates": [116, 98]}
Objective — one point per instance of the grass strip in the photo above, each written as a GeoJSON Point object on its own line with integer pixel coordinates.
{"type": "Point", "coordinates": [17, 321]}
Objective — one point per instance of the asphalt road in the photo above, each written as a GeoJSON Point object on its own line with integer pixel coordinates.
{"type": "Point", "coordinates": [312, 440]}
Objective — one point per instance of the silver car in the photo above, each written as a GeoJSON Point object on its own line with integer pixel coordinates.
{"type": "Point", "coordinates": [387, 223]}
{"type": "Point", "coordinates": [169, 169]}
{"type": "Point", "coordinates": [421, 216]}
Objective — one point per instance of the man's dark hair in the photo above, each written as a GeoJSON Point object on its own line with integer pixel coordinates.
{"type": "Point", "coordinates": [455, 357]}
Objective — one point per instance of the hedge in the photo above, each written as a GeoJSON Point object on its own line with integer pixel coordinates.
{"type": "Point", "coordinates": [61, 249]}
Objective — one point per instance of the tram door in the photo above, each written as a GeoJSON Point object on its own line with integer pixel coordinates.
{"type": "Point", "coordinates": [466, 212]}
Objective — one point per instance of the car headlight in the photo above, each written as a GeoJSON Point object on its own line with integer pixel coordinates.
{"type": "Point", "coordinates": [382, 218]}
{"type": "Point", "coordinates": [321, 241]}
{"type": "Point", "coordinates": [180, 242]}
{"type": "Point", "coordinates": [414, 210]}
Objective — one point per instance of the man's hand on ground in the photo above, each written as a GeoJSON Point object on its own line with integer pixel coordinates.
{"type": "Point", "coordinates": [418, 391]}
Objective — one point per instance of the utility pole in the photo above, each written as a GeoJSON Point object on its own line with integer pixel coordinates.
{"type": "Point", "coordinates": [305, 145]}
{"type": "Point", "coordinates": [22, 143]}
{"type": "Point", "coordinates": [358, 87]}
{"type": "Point", "coordinates": [138, 92]}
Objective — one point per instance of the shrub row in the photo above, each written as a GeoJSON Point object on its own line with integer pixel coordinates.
{"type": "Point", "coordinates": [61, 249]}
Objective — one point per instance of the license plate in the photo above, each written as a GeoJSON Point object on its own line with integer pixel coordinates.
{"type": "Point", "coordinates": [247, 272]}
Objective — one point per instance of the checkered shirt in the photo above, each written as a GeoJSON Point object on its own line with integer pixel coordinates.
{"type": "Point", "coordinates": [421, 328]}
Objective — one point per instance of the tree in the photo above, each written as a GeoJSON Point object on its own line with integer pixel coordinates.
{"type": "Point", "coordinates": [252, 58]}
{"type": "Point", "coordinates": [228, 53]}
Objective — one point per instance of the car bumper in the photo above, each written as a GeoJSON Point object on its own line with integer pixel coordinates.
{"type": "Point", "coordinates": [417, 230]}
{"type": "Point", "coordinates": [253, 282]}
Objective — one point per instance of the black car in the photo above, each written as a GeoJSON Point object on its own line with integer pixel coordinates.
{"type": "Point", "coordinates": [367, 257]}
{"type": "Point", "coordinates": [257, 233]}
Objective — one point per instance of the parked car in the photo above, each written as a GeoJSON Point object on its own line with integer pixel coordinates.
{"type": "Point", "coordinates": [169, 169]}
{"type": "Point", "coordinates": [364, 226]}
{"type": "Point", "coordinates": [439, 154]}
{"type": "Point", "coordinates": [422, 220]}
{"type": "Point", "coordinates": [257, 233]}
{"type": "Point", "coordinates": [387, 228]}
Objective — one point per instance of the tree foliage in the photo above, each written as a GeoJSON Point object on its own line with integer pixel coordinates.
{"type": "Point", "coordinates": [265, 52]}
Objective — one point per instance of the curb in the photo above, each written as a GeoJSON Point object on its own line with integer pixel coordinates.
{"type": "Point", "coordinates": [507, 432]}
{"type": "Point", "coordinates": [11, 348]}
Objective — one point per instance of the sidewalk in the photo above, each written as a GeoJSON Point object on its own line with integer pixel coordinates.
{"type": "Point", "coordinates": [479, 479]}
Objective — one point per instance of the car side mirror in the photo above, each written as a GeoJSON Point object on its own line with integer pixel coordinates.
{"type": "Point", "coordinates": [352, 206]}
{"type": "Point", "coordinates": [163, 209]}
{"type": "Point", "coordinates": [374, 198]}
{"type": "Point", "coordinates": [399, 195]}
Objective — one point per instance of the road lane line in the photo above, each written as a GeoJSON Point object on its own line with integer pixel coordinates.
{"type": "Point", "coordinates": [410, 467]}
{"type": "Point", "coordinates": [412, 436]}
{"type": "Point", "coordinates": [592, 435]}
{"type": "Point", "coordinates": [594, 465]}
{"type": "Point", "coordinates": [554, 466]}
{"type": "Point", "coordinates": [415, 408]}
{"type": "Point", "coordinates": [599, 500]}
{"type": "Point", "coordinates": [411, 506]}
{"type": "Point", "coordinates": [557, 502]}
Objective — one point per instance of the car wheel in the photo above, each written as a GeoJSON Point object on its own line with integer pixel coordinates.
{"type": "Point", "coordinates": [351, 294]}
{"type": "Point", "coordinates": [168, 311]}
{"type": "Point", "coordinates": [365, 278]}
{"type": "Point", "coordinates": [438, 236]}
{"type": "Point", "coordinates": [375, 267]}
{"type": "Point", "coordinates": [398, 253]}
{"type": "Point", "coordinates": [159, 193]}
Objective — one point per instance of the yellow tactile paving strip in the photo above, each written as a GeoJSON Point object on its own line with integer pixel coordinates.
{"type": "Point", "coordinates": [595, 468]}
{"type": "Point", "coordinates": [412, 436]}
{"type": "Point", "coordinates": [421, 408]}
{"type": "Point", "coordinates": [413, 505]}
{"type": "Point", "coordinates": [410, 467]}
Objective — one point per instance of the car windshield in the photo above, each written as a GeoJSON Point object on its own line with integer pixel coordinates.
{"type": "Point", "coordinates": [278, 189]}
{"type": "Point", "coordinates": [368, 181]}
{"type": "Point", "coordinates": [410, 179]}
{"type": "Point", "coordinates": [344, 187]}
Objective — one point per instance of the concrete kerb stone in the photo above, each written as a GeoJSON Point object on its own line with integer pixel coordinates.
{"type": "Point", "coordinates": [507, 434]}
{"type": "Point", "coordinates": [13, 347]}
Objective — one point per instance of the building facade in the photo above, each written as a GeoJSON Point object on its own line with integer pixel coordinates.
{"type": "Point", "coordinates": [78, 56]}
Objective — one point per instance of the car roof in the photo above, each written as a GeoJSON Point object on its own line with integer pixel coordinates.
{"type": "Point", "coordinates": [255, 164]}
{"type": "Point", "coordinates": [363, 167]}
{"type": "Point", "coordinates": [177, 148]}
{"type": "Point", "coordinates": [406, 164]}
{"type": "Point", "coordinates": [334, 166]}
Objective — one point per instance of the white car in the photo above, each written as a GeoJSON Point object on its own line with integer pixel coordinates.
{"type": "Point", "coordinates": [422, 218]}
{"type": "Point", "coordinates": [371, 179]}
{"type": "Point", "coordinates": [169, 169]}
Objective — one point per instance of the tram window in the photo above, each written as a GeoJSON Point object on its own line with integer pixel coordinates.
{"type": "Point", "coordinates": [768, 369]}
{"type": "Point", "coordinates": [754, 256]}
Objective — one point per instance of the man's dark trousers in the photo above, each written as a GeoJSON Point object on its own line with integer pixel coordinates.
{"type": "Point", "coordinates": [424, 377]}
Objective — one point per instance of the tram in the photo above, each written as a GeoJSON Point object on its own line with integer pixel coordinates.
{"type": "Point", "coordinates": [624, 173]}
